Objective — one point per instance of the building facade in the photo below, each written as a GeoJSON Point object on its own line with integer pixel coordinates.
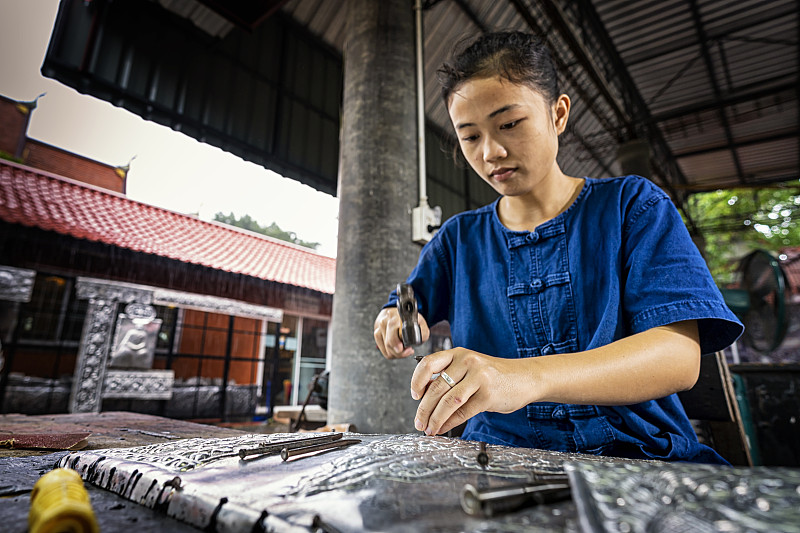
{"type": "Point", "coordinates": [232, 323]}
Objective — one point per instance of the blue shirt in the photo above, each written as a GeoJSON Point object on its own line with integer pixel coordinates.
{"type": "Point", "coordinates": [618, 261]}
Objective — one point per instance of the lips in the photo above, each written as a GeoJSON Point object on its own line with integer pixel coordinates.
{"type": "Point", "coordinates": [502, 174]}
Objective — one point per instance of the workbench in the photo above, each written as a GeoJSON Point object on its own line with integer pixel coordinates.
{"type": "Point", "coordinates": [19, 469]}
{"type": "Point", "coordinates": [397, 483]}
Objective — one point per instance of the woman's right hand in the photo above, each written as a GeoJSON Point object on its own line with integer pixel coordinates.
{"type": "Point", "coordinates": [388, 333]}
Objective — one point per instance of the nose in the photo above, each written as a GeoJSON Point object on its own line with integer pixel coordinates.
{"type": "Point", "coordinates": [493, 150]}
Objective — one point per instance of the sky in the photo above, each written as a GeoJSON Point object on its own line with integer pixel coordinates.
{"type": "Point", "coordinates": [167, 169]}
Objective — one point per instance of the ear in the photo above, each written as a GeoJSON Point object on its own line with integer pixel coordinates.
{"type": "Point", "coordinates": [561, 113]}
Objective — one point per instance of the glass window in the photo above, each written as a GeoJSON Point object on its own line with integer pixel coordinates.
{"type": "Point", "coordinates": [168, 316]}
{"type": "Point", "coordinates": [313, 348]}
{"type": "Point", "coordinates": [41, 318]}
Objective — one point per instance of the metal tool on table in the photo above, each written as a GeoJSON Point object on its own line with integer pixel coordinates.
{"type": "Point", "coordinates": [483, 456]}
{"type": "Point", "coordinates": [287, 452]}
{"type": "Point", "coordinates": [507, 498]}
{"type": "Point", "coordinates": [407, 308]}
{"type": "Point", "coordinates": [277, 447]}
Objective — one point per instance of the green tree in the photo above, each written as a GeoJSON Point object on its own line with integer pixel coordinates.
{"type": "Point", "coordinates": [734, 222]}
{"type": "Point", "coordinates": [273, 230]}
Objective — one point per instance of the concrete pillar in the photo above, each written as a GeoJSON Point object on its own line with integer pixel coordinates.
{"type": "Point", "coordinates": [378, 186]}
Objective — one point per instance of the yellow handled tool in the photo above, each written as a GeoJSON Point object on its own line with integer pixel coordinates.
{"type": "Point", "coordinates": [59, 502]}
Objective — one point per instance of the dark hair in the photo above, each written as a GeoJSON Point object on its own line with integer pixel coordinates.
{"type": "Point", "coordinates": [516, 56]}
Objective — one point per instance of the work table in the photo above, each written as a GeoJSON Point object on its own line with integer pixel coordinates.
{"type": "Point", "coordinates": [399, 483]}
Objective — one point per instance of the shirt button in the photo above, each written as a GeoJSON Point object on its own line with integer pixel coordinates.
{"type": "Point", "coordinates": [532, 237]}
{"type": "Point", "coordinates": [559, 413]}
{"type": "Point", "coordinates": [548, 349]}
{"type": "Point", "coordinates": [537, 285]}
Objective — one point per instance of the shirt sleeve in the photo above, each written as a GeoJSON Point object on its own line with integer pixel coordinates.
{"type": "Point", "coordinates": [666, 279]}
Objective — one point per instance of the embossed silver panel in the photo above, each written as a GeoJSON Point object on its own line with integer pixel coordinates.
{"type": "Point", "coordinates": [96, 346]}
{"type": "Point", "coordinates": [682, 497]}
{"type": "Point", "coordinates": [90, 368]}
{"type": "Point", "coordinates": [134, 342]}
{"type": "Point", "coordinates": [391, 483]}
{"type": "Point", "coordinates": [409, 483]}
{"type": "Point", "coordinates": [16, 284]}
{"type": "Point", "coordinates": [215, 304]}
{"type": "Point", "coordinates": [97, 289]}
{"type": "Point", "coordinates": [141, 385]}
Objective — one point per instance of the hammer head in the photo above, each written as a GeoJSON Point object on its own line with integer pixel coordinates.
{"type": "Point", "coordinates": [407, 307]}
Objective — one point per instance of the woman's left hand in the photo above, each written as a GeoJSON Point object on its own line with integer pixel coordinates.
{"type": "Point", "coordinates": [481, 383]}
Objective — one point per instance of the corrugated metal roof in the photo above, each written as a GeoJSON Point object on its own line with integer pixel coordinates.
{"type": "Point", "coordinates": [714, 75]}
{"type": "Point", "coordinates": [723, 78]}
{"type": "Point", "coordinates": [711, 85]}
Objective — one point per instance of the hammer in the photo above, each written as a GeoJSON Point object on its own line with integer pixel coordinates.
{"type": "Point", "coordinates": [407, 307]}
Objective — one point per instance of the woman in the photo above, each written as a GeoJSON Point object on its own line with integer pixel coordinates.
{"type": "Point", "coordinates": [577, 306]}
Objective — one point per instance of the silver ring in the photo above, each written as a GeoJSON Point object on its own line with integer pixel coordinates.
{"type": "Point", "coordinates": [447, 379]}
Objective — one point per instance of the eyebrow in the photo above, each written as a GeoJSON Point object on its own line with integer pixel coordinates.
{"type": "Point", "coordinates": [493, 114]}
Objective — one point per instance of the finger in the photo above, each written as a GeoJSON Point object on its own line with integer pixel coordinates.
{"type": "Point", "coordinates": [395, 348]}
{"type": "Point", "coordinates": [407, 352]}
{"type": "Point", "coordinates": [381, 341]}
{"type": "Point", "coordinates": [378, 336]}
{"type": "Point", "coordinates": [386, 333]}
{"type": "Point", "coordinates": [423, 327]}
{"type": "Point", "coordinates": [397, 342]}
{"type": "Point", "coordinates": [430, 365]}
{"type": "Point", "coordinates": [453, 400]}
{"type": "Point", "coordinates": [466, 411]}
{"type": "Point", "coordinates": [392, 333]}
{"type": "Point", "coordinates": [437, 389]}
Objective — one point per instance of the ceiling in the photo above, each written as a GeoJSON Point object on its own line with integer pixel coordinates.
{"type": "Point", "coordinates": [707, 88]}
{"type": "Point", "coordinates": [710, 86]}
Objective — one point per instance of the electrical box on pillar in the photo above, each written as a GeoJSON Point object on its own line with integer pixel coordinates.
{"type": "Point", "coordinates": [425, 220]}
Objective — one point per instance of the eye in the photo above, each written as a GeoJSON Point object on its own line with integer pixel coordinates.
{"type": "Point", "coordinates": [509, 125]}
{"type": "Point", "coordinates": [469, 138]}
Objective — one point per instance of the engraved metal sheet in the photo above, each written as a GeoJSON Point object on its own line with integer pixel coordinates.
{"type": "Point", "coordinates": [16, 284]}
{"type": "Point", "coordinates": [205, 302]}
{"type": "Point", "coordinates": [134, 343]}
{"type": "Point", "coordinates": [683, 497]}
{"type": "Point", "coordinates": [141, 384]}
{"type": "Point", "coordinates": [90, 369]}
{"type": "Point", "coordinates": [392, 483]}
{"type": "Point", "coordinates": [98, 289]}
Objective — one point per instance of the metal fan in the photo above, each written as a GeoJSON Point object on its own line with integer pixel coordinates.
{"type": "Point", "coordinates": [760, 303]}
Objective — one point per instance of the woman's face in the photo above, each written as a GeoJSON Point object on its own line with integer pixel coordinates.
{"type": "Point", "coordinates": [508, 133]}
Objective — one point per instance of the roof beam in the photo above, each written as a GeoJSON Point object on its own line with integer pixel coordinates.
{"type": "Point", "coordinates": [740, 144]}
{"type": "Point", "coordinates": [565, 69]}
{"type": "Point", "coordinates": [737, 98]}
{"type": "Point", "coordinates": [247, 14]}
{"type": "Point", "coordinates": [726, 126]}
{"type": "Point", "coordinates": [763, 16]}
{"type": "Point", "coordinates": [558, 18]}
{"type": "Point", "coordinates": [636, 107]}
{"type": "Point", "coordinates": [720, 184]}
{"type": "Point", "coordinates": [462, 4]}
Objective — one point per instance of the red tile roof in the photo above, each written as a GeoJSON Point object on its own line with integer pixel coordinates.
{"type": "Point", "coordinates": [35, 198]}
